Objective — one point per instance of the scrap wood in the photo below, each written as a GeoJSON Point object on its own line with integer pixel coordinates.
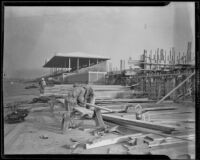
{"type": "Point", "coordinates": [128, 121]}
{"type": "Point", "coordinates": [146, 130]}
{"type": "Point", "coordinates": [138, 149]}
{"type": "Point", "coordinates": [105, 142]}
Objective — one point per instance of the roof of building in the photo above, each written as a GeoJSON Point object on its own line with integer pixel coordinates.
{"type": "Point", "coordinates": [61, 60]}
{"type": "Point", "coordinates": [81, 55]}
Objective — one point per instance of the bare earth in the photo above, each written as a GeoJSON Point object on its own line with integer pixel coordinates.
{"type": "Point", "coordinates": [26, 137]}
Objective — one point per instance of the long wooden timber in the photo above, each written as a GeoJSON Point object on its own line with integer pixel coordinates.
{"type": "Point", "coordinates": [152, 131]}
{"type": "Point", "coordinates": [162, 75]}
{"type": "Point", "coordinates": [114, 100]}
{"type": "Point", "coordinates": [101, 91]}
{"type": "Point", "coordinates": [139, 123]}
{"type": "Point", "coordinates": [99, 107]}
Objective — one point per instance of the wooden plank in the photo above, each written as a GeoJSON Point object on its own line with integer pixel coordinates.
{"type": "Point", "coordinates": [146, 130]}
{"type": "Point", "coordinates": [113, 100]}
{"type": "Point", "coordinates": [105, 142]}
{"type": "Point", "coordinates": [167, 143]}
{"type": "Point", "coordinates": [84, 111]}
{"type": "Point", "coordinates": [159, 108]}
{"type": "Point", "coordinates": [125, 100]}
{"type": "Point", "coordinates": [99, 107]}
{"type": "Point", "coordinates": [117, 119]}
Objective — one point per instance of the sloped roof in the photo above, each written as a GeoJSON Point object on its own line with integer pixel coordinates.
{"type": "Point", "coordinates": [61, 60]}
{"type": "Point", "coordinates": [81, 55]}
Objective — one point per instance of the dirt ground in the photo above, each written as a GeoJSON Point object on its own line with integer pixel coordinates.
{"type": "Point", "coordinates": [41, 132]}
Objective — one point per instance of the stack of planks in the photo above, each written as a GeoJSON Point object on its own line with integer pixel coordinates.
{"type": "Point", "coordinates": [101, 91]}
{"type": "Point", "coordinates": [166, 120]}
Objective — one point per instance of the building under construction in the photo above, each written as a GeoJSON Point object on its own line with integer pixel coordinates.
{"type": "Point", "coordinates": [84, 104]}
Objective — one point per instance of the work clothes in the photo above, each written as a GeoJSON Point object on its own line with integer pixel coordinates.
{"type": "Point", "coordinates": [89, 94]}
{"type": "Point", "coordinates": [42, 85]}
{"type": "Point", "coordinates": [80, 95]}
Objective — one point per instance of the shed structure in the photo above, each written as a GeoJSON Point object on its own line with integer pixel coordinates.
{"type": "Point", "coordinates": [77, 67]}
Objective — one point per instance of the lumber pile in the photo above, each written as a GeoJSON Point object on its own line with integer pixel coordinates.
{"type": "Point", "coordinates": [101, 91]}
{"type": "Point", "coordinates": [128, 121]}
{"type": "Point", "coordinates": [168, 124]}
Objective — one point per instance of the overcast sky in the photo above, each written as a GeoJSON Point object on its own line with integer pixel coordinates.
{"type": "Point", "coordinates": [32, 34]}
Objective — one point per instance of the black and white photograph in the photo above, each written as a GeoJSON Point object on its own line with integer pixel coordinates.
{"type": "Point", "coordinates": [110, 80]}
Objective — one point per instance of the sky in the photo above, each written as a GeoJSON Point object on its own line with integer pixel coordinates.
{"type": "Point", "coordinates": [33, 34]}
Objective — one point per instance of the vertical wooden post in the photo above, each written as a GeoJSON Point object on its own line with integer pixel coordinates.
{"type": "Point", "coordinates": [174, 85]}
{"type": "Point", "coordinates": [77, 63]}
{"type": "Point", "coordinates": [193, 88]}
{"type": "Point", "coordinates": [157, 58]}
{"type": "Point", "coordinates": [158, 88]}
{"type": "Point", "coordinates": [69, 63]}
{"type": "Point", "coordinates": [149, 88]}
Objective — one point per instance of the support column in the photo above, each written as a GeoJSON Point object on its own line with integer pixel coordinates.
{"type": "Point", "coordinates": [65, 65]}
{"type": "Point", "coordinates": [97, 61]}
{"type": "Point", "coordinates": [89, 62]}
{"type": "Point", "coordinates": [77, 63]}
{"type": "Point", "coordinates": [69, 64]}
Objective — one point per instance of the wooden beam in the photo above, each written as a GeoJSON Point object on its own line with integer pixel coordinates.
{"type": "Point", "coordinates": [146, 130]}
{"type": "Point", "coordinates": [84, 111]}
{"type": "Point", "coordinates": [136, 100]}
{"type": "Point", "coordinates": [162, 75]}
{"type": "Point", "coordinates": [99, 107]}
{"type": "Point", "coordinates": [105, 142]}
{"type": "Point", "coordinates": [69, 64]}
{"type": "Point", "coordinates": [175, 88]}
{"type": "Point", "coordinates": [128, 121]}
{"type": "Point", "coordinates": [159, 108]}
{"type": "Point", "coordinates": [77, 63]}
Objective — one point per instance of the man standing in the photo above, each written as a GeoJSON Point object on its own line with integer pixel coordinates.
{"type": "Point", "coordinates": [42, 85]}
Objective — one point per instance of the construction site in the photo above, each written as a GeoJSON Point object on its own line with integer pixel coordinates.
{"type": "Point", "coordinates": [83, 105]}
{"type": "Point", "coordinates": [148, 109]}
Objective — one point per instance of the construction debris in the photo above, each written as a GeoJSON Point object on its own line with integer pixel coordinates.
{"type": "Point", "coordinates": [121, 120]}
{"type": "Point", "coordinates": [100, 143]}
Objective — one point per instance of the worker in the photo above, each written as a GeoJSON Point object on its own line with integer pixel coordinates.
{"type": "Point", "coordinates": [89, 96]}
{"type": "Point", "coordinates": [42, 85]}
{"type": "Point", "coordinates": [83, 94]}
{"type": "Point", "coordinates": [79, 96]}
